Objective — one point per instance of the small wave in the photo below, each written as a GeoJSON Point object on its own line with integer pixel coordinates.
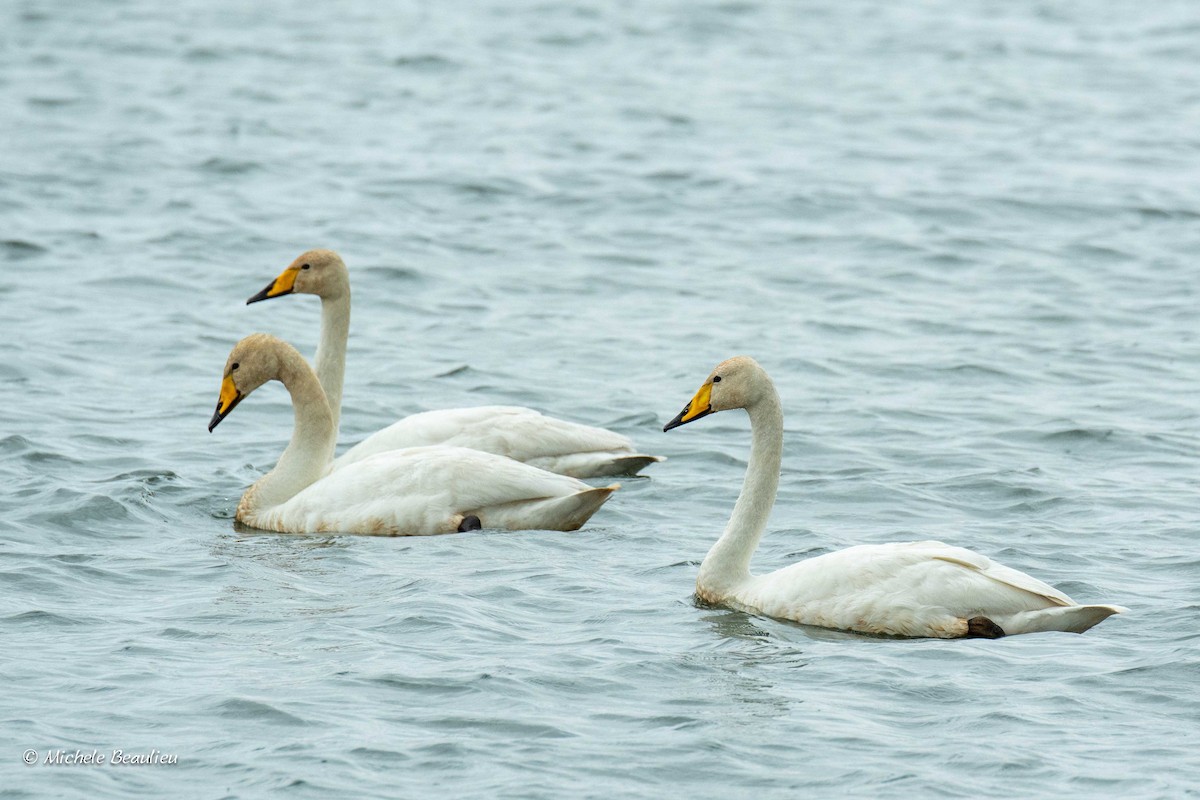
{"type": "Point", "coordinates": [507, 727]}
{"type": "Point", "coordinates": [228, 166]}
{"type": "Point", "coordinates": [670, 176]}
{"type": "Point", "coordinates": [76, 511]}
{"type": "Point", "coordinates": [239, 708]}
{"type": "Point", "coordinates": [203, 55]}
{"type": "Point", "coordinates": [1078, 435]}
{"type": "Point", "coordinates": [1166, 213]}
{"type": "Point", "coordinates": [664, 721]}
{"type": "Point", "coordinates": [623, 259]}
{"type": "Point", "coordinates": [373, 754]}
{"type": "Point", "coordinates": [497, 188]}
{"type": "Point", "coordinates": [49, 457]}
{"type": "Point", "coordinates": [567, 40]}
{"type": "Point", "coordinates": [640, 420]}
{"type": "Point", "coordinates": [15, 443]}
{"type": "Point", "coordinates": [402, 274]}
{"type": "Point", "coordinates": [429, 686]}
{"type": "Point", "coordinates": [43, 618]}
{"type": "Point", "coordinates": [426, 63]}
{"type": "Point", "coordinates": [19, 249]}
{"type": "Point", "coordinates": [1093, 252]}
{"type": "Point", "coordinates": [186, 635]}
{"type": "Point", "coordinates": [52, 102]}
{"type": "Point", "coordinates": [148, 477]}
{"type": "Point", "coordinates": [977, 371]}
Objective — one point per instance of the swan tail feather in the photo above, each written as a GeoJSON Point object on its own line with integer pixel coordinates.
{"type": "Point", "coordinates": [595, 464]}
{"type": "Point", "coordinates": [585, 504]}
{"type": "Point", "coordinates": [553, 514]}
{"type": "Point", "coordinates": [630, 465]}
{"type": "Point", "coordinates": [1072, 619]}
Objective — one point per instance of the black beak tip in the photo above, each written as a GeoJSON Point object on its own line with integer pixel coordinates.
{"type": "Point", "coordinates": [265, 294]}
{"type": "Point", "coordinates": [675, 423]}
{"type": "Point", "coordinates": [217, 417]}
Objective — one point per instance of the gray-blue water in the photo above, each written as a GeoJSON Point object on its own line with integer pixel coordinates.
{"type": "Point", "coordinates": [962, 237]}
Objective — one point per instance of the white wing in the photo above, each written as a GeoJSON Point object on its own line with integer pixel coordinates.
{"type": "Point", "coordinates": [518, 433]}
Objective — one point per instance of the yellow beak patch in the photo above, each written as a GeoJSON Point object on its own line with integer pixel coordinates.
{"type": "Point", "coordinates": [230, 397]}
{"type": "Point", "coordinates": [284, 284]}
{"type": "Point", "coordinates": [700, 406]}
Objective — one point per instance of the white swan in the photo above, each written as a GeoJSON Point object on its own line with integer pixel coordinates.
{"type": "Point", "coordinates": [518, 433]}
{"type": "Point", "coordinates": [416, 491]}
{"type": "Point", "coordinates": [903, 589]}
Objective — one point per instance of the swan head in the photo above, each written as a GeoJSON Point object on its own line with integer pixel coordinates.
{"type": "Point", "coordinates": [252, 362]}
{"type": "Point", "coordinates": [319, 272]}
{"type": "Point", "coordinates": [737, 382]}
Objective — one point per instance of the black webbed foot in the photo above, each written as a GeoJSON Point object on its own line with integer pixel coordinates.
{"type": "Point", "coordinates": [983, 628]}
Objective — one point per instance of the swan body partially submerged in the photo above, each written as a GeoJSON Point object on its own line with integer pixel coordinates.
{"type": "Point", "coordinates": [917, 589]}
{"type": "Point", "coordinates": [405, 492]}
{"type": "Point", "coordinates": [556, 445]}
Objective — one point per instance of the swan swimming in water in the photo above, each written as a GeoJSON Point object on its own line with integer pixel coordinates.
{"type": "Point", "coordinates": [917, 589]}
{"type": "Point", "coordinates": [410, 492]}
{"type": "Point", "coordinates": [520, 433]}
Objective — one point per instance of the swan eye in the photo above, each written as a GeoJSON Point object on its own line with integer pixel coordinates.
{"type": "Point", "coordinates": [235, 366]}
{"type": "Point", "coordinates": [717, 379]}
{"type": "Point", "coordinates": [306, 266]}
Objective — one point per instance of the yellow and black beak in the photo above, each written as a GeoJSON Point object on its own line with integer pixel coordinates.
{"type": "Point", "coordinates": [284, 284]}
{"type": "Point", "coordinates": [699, 407]}
{"type": "Point", "coordinates": [230, 397]}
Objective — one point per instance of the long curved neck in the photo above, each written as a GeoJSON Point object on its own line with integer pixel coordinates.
{"type": "Point", "coordinates": [331, 352]}
{"type": "Point", "coordinates": [728, 562]}
{"type": "Point", "coordinates": [310, 451]}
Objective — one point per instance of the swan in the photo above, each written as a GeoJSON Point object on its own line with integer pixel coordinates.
{"type": "Point", "coordinates": [415, 491]}
{"type": "Point", "coordinates": [913, 589]}
{"type": "Point", "coordinates": [520, 433]}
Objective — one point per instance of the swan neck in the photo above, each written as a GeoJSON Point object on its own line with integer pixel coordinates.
{"type": "Point", "coordinates": [331, 351]}
{"type": "Point", "coordinates": [728, 562]}
{"type": "Point", "coordinates": [310, 450]}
